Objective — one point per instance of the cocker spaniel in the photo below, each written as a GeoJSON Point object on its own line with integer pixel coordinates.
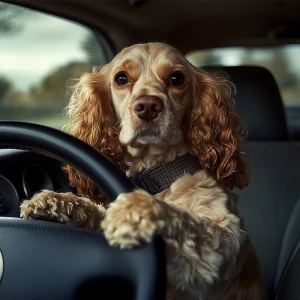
{"type": "Point", "coordinates": [170, 127]}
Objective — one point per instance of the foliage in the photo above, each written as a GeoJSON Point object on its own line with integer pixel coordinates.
{"type": "Point", "coordinates": [93, 50]}
{"type": "Point", "coordinates": [9, 15]}
{"type": "Point", "coordinates": [55, 85]}
{"type": "Point", "coordinates": [277, 62]}
{"type": "Point", "coordinates": [5, 86]}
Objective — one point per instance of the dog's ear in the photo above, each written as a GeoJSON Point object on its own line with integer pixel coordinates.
{"type": "Point", "coordinates": [215, 130]}
{"type": "Point", "coordinates": [93, 120]}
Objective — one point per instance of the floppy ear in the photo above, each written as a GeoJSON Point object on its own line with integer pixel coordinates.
{"type": "Point", "coordinates": [93, 120]}
{"type": "Point", "coordinates": [215, 131]}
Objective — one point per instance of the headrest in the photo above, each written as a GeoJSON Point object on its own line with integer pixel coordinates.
{"type": "Point", "coordinates": [257, 102]}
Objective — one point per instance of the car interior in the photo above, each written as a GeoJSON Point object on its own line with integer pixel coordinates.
{"type": "Point", "coordinates": [269, 207]}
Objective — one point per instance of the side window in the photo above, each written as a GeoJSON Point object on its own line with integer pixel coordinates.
{"type": "Point", "coordinates": [282, 61]}
{"type": "Point", "coordinates": [39, 53]}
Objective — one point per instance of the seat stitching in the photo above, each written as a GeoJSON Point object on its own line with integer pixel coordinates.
{"type": "Point", "coordinates": [285, 271]}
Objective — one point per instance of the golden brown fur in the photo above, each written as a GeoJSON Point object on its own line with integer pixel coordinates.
{"type": "Point", "coordinates": [212, 131]}
{"type": "Point", "coordinates": [209, 255]}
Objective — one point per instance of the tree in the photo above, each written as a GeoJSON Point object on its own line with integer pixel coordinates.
{"type": "Point", "coordinates": [276, 61]}
{"type": "Point", "coordinates": [281, 68]}
{"type": "Point", "coordinates": [93, 50]}
{"type": "Point", "coordinates": [9, 14]}
{"type": "Point", "coordinates": [211, 59]}
{"type": "Point", "coordinates": [5, 87]}
{"type": "Point", "coordinates": [204, 58]}
{"type": "Point", "coordinates": [54, 86]}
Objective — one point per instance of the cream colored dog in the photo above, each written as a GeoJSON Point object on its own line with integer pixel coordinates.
{"type": "Point", "coordinates": [149, 109]}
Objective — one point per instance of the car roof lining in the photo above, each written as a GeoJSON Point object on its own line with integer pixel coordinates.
{"type": "Point", "coordinates": [194, 24]}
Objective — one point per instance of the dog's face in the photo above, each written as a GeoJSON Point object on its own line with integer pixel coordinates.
{"type": "Point", "coordinates": [151, 93]}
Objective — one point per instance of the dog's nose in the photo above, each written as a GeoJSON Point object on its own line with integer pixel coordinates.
{"type": "Point", "coordinates": [148, 107]}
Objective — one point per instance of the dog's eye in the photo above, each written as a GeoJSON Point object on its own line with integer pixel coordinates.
{"type": "Point", "coordinates": [177, 79]}
{"type": "Point", "coordinates": [121, 79]}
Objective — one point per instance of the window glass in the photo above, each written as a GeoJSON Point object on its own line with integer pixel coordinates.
{"type": "Point", "coordinates": [282, 61]}
{"type": "Point", "coordinates": [39, 53]}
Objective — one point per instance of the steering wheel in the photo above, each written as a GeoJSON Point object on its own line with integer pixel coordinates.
{"type": "Point", "coordinates": [46, 260]}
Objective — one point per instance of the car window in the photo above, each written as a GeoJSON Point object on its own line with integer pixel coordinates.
{"type": "Point", "coordinates": [282, 61]}
{"type": "Point", "coordinates": [39, 53]}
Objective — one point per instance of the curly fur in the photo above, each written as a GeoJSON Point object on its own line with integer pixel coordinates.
{"type": "Point", "coordinates": [94, 122]}
{"type": "Point", "coordinates": [213, 131]}
{"type": "Point", "coordinates": [209, 255]}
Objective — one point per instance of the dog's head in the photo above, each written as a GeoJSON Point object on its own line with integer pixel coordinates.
{"type": "Point", "coordinates": [151, 89]}
{"type": "Point", "coordinates": [149, 94]}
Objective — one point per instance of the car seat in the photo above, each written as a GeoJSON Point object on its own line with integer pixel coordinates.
{"type": "Point", "coordinates": [269, 207]}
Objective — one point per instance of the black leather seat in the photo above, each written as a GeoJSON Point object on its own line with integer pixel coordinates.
{"type": "Point", "coordinates": [258, 102]}
{"type": "Point", "coordinates": [269, 206]}
{"type": "Point", "coordinates": [288, 285]}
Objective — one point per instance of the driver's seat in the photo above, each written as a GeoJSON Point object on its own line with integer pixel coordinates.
{"type": "Point", "coordinates": [269, 206]}
{"type": "Point", "coordinates": [288, 286]}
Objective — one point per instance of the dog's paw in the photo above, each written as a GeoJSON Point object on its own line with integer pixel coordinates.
{"type": "Point", "coordinates": [63, 208]}
{"type": "Point", "coordinates": [132, 219]}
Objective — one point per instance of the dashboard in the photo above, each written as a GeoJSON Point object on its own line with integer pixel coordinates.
{"type": "Point", "coordinates": [24, 173]}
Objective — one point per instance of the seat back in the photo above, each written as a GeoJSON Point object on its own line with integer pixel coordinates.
{"type": "Point", "coordinates": [257, 101]}
{"type": "Point", "coordinates": [267, 205]}
{"type": "Point", "coordinates": [288, 286]}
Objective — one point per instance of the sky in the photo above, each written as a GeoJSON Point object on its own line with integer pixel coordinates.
{"type": "Point", "coordinates": [42, 43]}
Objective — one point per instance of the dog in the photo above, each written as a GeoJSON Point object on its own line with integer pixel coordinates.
{"type": "Point", "coordinates": [170, 127]}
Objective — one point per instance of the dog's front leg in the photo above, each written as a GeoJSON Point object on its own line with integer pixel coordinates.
{"type": "Point", "coordinates": [200, 251]}
{"type": "Point", "coordinates": [64, 208]}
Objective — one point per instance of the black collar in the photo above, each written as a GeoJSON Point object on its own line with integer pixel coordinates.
{"type": "Point", "coordinates": [162, 175]}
